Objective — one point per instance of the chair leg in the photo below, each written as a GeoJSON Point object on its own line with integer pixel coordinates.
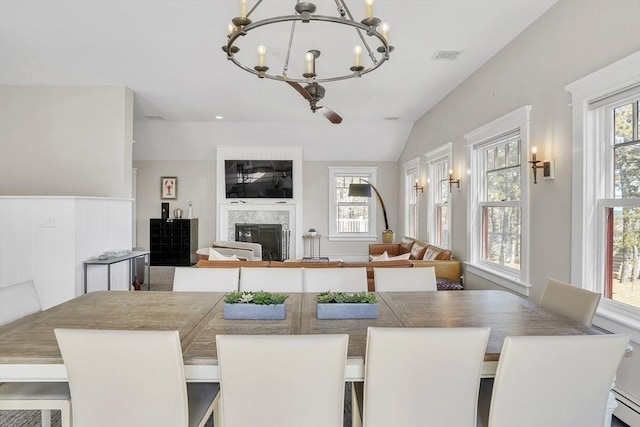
{"type": "Point", "coordinates": [357, 400]}
{"type": "Point", "coordinates": [46, 417]}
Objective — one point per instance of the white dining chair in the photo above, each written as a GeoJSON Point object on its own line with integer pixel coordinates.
{"type": "Point", "coordinates": [423, 376]}
{"type": "Point", "coordinates": [17, 301]}
{"type": "Point", "coordinates": [404, 279]}
{"type": "Point", "coordinates": [190, 279]}
{"type": "Point", "coordinates": [341, 279]}
{"type": "Point", "coordinates": [132, 378]}
{"type": "Point", "coordinates": [555, 380]}
{"type": "Point", "coordinates": [271, 279]}
{"type": "Point", "coordinates": [570, 301]}
{"type": "Point", "coordinates": [282, 380]}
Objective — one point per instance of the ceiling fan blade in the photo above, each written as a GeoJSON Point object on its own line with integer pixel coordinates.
{"type": "Point", "coordinates": [331, 115]}
{"type": "Point", "coordinates": [301, 90]}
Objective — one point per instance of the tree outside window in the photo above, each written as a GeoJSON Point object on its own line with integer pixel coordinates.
{"type": "Point", "coordinates": [622, 274]}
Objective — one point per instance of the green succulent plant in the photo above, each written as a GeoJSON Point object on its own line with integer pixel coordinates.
{"type": "Point", "coordinates": [260, 298]}
{"type": "Point", "coordinates": [346, 298]}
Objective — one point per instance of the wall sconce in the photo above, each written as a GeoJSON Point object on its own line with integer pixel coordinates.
{"type": "Point", "coordinates": [418, 187]}
{"type": "Point", "coordinates": [453, 181]}
{"type": "Point", "coordinates": [547, 166]}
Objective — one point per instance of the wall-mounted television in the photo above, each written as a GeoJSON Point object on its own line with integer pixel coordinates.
{"type": "Point", "coordinates": [258, 179]}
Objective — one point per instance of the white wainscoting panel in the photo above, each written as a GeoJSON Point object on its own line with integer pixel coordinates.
{"type": "Point", "coordinates": [48, 238]}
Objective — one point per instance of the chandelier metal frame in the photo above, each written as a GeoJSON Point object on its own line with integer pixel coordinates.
{"type": "Point", "coordinates": [305, 14]}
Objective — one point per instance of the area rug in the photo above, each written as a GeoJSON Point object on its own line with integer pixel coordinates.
{"type": "Point", "coordinates": [33, 419]}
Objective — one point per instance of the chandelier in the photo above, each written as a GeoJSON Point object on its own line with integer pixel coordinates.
{"type": "Point", "coordinates": [369, 30]}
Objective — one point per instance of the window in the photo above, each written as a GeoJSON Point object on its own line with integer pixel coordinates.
{"type": "Point", "coordinates": [411, 216]}
{"type": "Point", "coordinates": [606, 191]}
{"type": "Point", "coordinates": [351, 218]}
{"type": "Point", "coordinates": [500, 202]}
{"type": "Point", "coordinates": [622, 218]}
{"type": "Point", "coordinates": [498, 208]}
{"type": "Point", "coordinates": [438, 211]}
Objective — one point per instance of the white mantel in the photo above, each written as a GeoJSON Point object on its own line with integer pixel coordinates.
{"type": "Point", "coordinates": [264, 208]}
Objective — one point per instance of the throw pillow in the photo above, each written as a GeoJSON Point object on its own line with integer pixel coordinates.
{"type": "Point", "coordinates": [400, 257]}
{"type": "Point", "coordinates": [217, 256]}
{"type": "Point", "coordinates": [382, 257]}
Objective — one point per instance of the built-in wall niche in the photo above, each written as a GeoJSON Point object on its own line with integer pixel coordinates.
{"type": "Point", "coordinates": [286, 211]}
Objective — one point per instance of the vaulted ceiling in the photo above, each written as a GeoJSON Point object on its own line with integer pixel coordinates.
{"type": "Point", "coordinates": [169, 53]}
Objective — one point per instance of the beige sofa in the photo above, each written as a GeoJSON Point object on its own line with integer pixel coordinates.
{"type": "Point", "coordinates": [421, 254]}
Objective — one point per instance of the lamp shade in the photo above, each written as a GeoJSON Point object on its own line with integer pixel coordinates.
{"type": "Point", "coordinates": [359, 190]}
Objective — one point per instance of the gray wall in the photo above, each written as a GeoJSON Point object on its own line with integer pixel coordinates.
{"type": "Point", "coordinates": [197, 183]}
{"type": "Point", "coordinates": [573, 39]}
{"type": "Point", "coordinates": [66, 140]}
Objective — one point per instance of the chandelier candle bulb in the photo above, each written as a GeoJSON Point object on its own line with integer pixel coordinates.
{"type": "Point", "coordinates": [261, 53]}
{"type": "Point", "coordinates": [357, 51]}
{"type": "Point", "coordinates": [243, 8]}
{"type": "Point", "coordinates": [369, 8]}
{"type": "Point", "coordinates": [384, 30]}
{"type": "Point", "coordinates": [309, 58]}
{"type": "Point", "coordinates": [534, 151]}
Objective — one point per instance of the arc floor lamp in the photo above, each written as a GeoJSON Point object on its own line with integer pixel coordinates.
{"type": "Point", "coordinates": [364, 190]}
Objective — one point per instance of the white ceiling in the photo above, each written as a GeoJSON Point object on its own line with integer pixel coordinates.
{"type": "Point", "coordinates": [169, 53]}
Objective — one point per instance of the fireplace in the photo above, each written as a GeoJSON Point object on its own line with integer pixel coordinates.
{"type": "Point", "coordinates": [274, 241]}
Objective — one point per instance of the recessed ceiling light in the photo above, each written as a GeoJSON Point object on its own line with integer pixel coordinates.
{"type": "Point", "coordinates": [219, 117]}
{"type": "Point", "coordinates": [154, 117]}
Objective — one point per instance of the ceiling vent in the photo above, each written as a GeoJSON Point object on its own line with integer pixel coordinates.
{"type": "Point", "coordinates": [154, 117]}
{"type": "Point", "coordinates": [446, 55]}
{"type": "Point", "coordinates": [392, 118]}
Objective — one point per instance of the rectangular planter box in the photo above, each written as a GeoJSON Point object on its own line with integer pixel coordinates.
{"type": "Point", "coordinates": [347, 311]}
{"type": "Point", "coordinates": [254, 311]}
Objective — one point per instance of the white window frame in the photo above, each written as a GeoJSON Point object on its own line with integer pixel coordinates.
{"type": "Point", "coordinates": [444, 153]}
{"type": "Point", "coordinates": [591, 189]}
{"type": "Point", "coordinates": [370, 174]}
{"type": "Point", "coordinates": [515, 280]}
{"type": "Point", "coordinates": [411, 198]}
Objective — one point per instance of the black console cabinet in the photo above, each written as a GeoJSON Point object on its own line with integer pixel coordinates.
{"type": "Point", "coordinates": [173, 242]}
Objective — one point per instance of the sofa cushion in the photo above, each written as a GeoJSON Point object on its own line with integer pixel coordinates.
{"type": "Point", "coordinates": [435, 253]}
{"type": "Point", "coordinates": [417, 250]}
{"type": "Point", "coordinates": [405, 245]}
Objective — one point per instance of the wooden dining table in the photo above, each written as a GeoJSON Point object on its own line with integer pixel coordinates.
{"type": "Point", "coordinates": [29, 351]}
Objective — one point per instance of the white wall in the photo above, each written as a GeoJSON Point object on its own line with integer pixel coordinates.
{"type": "Point", "coordinates": [570, 41]}
{"type": "Point", "coordinates": [66, 140]}
{"type": "Point", "coordinates": [48, 238]}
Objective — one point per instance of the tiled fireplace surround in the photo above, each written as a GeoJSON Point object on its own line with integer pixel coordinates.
{"type": "Point", "coordinates": [256, 217]}
{"type": "Point", "coordinates": [240, 213]}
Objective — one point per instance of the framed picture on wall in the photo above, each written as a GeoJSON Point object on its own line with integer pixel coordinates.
{"type": "Point", "coordinates": [169, 187]}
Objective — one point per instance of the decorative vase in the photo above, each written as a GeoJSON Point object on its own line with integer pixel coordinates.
{"type": "Point", "coordinates": [347, 311]}
{"type": "Point", "coordinates": [387, 236]}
